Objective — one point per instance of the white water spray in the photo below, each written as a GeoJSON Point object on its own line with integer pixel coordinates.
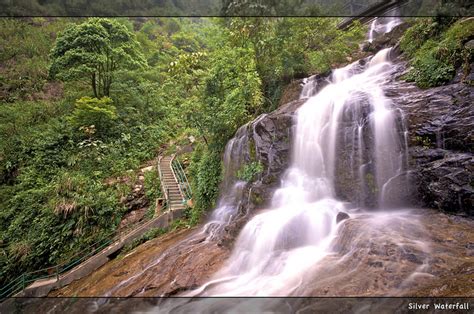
{"type": "Point", "coordinates": [382, 25]}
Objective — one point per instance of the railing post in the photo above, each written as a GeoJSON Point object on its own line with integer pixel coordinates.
{"type": "Point", "coordinates": [57, 272]}
{"type": "Point", "coordinates": [23, 281]}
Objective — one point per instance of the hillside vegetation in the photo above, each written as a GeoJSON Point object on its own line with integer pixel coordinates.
{"type": "Point", "coordinates": [85, 102]}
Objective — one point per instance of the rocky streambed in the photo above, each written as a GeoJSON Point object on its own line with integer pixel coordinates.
{"type": "Point", "coordinates": [404, 253]}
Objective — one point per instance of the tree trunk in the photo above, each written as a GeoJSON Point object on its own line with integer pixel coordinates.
{"type": "Point", "coordinates": [94, 87]}
{"type": "Point", "coordinates": [107, 82]}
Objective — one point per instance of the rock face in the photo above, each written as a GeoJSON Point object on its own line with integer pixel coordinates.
{"type": "Point", "coordinates": [440, 132]}
{"type": "Point", "coordinates": [265, 140]}
{"type": "Point", "coordinates": [391, 264]}
{"type": "Point", "coordinates": [174, 262]}
{"type": "Point", "coordinates": [341, 216]}
{"type": "Point", "coordinates": [389, 39]}
{"type": "Point", "coordinates": [440, 125]}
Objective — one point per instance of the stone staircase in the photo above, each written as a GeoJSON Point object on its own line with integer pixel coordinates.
{"type": "Point", "coordinates": [170, 185]}
{"type": "Point", "coordinates": [176, 202]}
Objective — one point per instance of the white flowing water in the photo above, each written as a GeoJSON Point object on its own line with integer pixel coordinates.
{"type": "Point", "coordinates": [277, 247]}
{"type": "Point", "coordinates": [382, 25]}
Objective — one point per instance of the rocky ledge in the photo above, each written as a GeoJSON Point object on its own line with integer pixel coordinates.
{"type": "Point", "coordinates": [440, 124]}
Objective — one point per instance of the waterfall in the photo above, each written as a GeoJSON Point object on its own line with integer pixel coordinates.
{"type": "Point", "coordinates": [277, 246]}
{"type": "Point", "coordinates": [382, 25]}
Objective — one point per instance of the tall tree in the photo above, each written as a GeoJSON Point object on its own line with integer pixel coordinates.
{"type": "Point", "coordinates": [95, 50]}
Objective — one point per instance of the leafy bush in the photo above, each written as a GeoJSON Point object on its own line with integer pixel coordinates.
{"type": "Point", "coordinates": [417, 35]}
{"type": "Point", "coordinates": [94, 116]}
{"type": "Point", "coordinates": [152, 185]}
{"type": "Point", "coordinates": [435, 60]}
{"type": "Point", "coordinates": [205, 176]}
{"type": "Point", "coordinates": [428, 70]}
{"type": "Point", "coordinates": [250, 171]}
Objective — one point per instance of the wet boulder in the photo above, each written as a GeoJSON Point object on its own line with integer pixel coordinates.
{"type": "Point", "coordinates": [440, 125]}
{"type": "Point", "coordinates": [341, 216]}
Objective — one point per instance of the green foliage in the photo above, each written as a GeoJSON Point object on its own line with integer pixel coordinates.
{"type": "Point", "coordinates": [24, 48]}
{"type": "Point", "coordinates": [292, 47]}
{"type": "Point", "coordinates": [152, 185]}
{"type": "Point", "coordinates": [418, 34]}
{"type": "Point", "coordinates": [249, 172]}
{"type": "Point", "coordinates": [208, 179]}
{"type": "Point", "coordinates": [95, 117]}
{"type": "Point", "coordinates": [428, 70]}
{"type": "Point", "coordinates": [94, 51]}
{"type": "Point", "coordinates": [230, 93]}
{"type": "Point", "coordinates": [437, 51]}
{"type": "Point", "coordinates": [423, 141]}
{"type": "Point", "coordinates": [205, 172]}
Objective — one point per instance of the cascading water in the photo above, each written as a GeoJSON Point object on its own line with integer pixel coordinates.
{"type": "Point", "coordinates": [227, 208]}
{"type": "Point", "coordinates": [382, 25]}
{"type": "Point", "coordinates": [277, 247]}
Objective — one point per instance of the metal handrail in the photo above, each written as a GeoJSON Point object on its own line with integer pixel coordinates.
{"type": "Point", "coordinates": [181, 179]}
{"type": "Point", "coordinates": [176, 178]}
{"type": "Point", "coordinates": [164, 189]}
{"type": "Point", "coordinates": [45, 273]}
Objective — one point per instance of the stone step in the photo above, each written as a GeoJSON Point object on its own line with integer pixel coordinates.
{"type": "Point", "coordinates": [170, 177]}
{"type": "Point", "coordinates": [177, 205]}
{"type": "Point", "coordinates": [173, 190]}
{"type": "Point", "coordinates": [170, 181]}
{"type": "Point", "coordinates": [166, 175]}
{"type": "Point", "coordinates": [171, 187]}
{"type": "Point", "coordinates": [175, 200]}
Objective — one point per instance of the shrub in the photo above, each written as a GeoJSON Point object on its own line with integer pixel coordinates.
{"type": "Point", "coordinates": [94, 116]}
{"type": "Point", "coordinates": [205, 174]}
{"type": "Point", "coordinates": [250, 171]}
{"type": "Point", "coordinates": [152, 185]}
{"type": "Point", "coordinates": [435, 60]}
